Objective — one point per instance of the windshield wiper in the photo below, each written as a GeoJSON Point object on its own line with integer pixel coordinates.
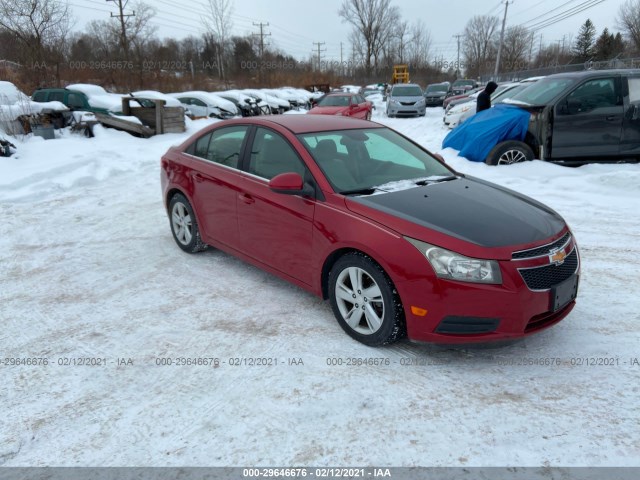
{"type": "Point", "coordinates": [359, 191]}
{"type": "Point", "coordinates": [427, 181]}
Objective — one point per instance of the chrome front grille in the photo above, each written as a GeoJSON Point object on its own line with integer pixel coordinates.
{"type": "Point", "coordinates": [545, 277]}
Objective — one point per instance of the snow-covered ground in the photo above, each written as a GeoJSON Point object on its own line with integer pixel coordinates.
{"type": "Point", "coordinates": [90, 271]}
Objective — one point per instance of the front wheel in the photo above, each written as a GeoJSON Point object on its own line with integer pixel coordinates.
{"type": "Point", "coordinates": [184, 225]}
{"type": "Point", "coordinates": [511, 151]}
{"type": "Point", "coordinates": [365, 301]}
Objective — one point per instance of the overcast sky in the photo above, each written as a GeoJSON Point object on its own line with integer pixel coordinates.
{"type": "Point", "coordinates": [295, 24]}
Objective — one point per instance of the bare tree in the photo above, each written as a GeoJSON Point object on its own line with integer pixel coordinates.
{"type": "Point", "coordinates": [515, 49]}
{"type": "Point", "coordinates": [39, 25]}
{"type": "Point", "coordinates": [218, 24]}
{"type": "Point", "coordinates": [419, 45]}
{"type": "Point", "coordinates": [479, 44]}
{"type": "Point", "coordinates": [373, 22]}
{"type": "Point", "coordinates": [628, 21]}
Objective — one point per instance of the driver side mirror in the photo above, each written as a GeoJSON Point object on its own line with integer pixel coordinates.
{"type": "Point", "coordinates": [291, 183]}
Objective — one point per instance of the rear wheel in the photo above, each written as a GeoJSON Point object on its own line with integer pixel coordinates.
{"type": "Point", "coordinates": [184, 225]}
{"type": "Point", "coordinates": [365, 301]}
{"type": "Point", "coordinates": [509, 152]}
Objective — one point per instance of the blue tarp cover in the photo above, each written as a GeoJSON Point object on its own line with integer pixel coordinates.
{"type": "Point", "coordinates": [479, 134]}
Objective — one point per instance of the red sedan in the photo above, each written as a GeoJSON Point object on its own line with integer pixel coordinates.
{"type": "Point", "coordinates": [356, 213]}
{"type": "Point", "coordinates": [343, 104]}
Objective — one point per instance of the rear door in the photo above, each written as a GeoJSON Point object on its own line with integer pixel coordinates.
{"type": "Point", "coordinates": [216, 181]}
{"type": "Point", "coordinates": [588, 120]}
{"type": "Point", "coordinates": [630, 144]}
{"type": "Point", "coordinates": [275, 229]}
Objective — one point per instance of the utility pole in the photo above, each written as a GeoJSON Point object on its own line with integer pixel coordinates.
{"type": "Point", "coordinates": [458, 61]}
{"type": "Point", "coordinates": [262, 35]}
{"type": "Point", "coordinates": [504, 21]}
{"type": "Point", "coordinates": [319, 44]}
{"type": "Point", "coordinates": [124, 42]}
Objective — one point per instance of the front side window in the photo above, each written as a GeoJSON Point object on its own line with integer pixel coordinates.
{"type": "Point", "coordinates": [272, 155]}
{"type": "Point", "coordinates": [597, 93]}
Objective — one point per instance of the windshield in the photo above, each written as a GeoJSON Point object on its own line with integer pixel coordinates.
{"type": "Point", "coordinates": [462, 83]}
{"type": "Point", "coordinates": [413, 91]}
{"type": "Point", "coordinates": [509, 93]}
{"type": "Point", "coordinates": [354, 160]}
{"type": "Point", "coordinates": [335, 101]}
{"type": "Point", "coordinates": [542, 91]}
{"type": "Point", "coordinates": [437, 88]}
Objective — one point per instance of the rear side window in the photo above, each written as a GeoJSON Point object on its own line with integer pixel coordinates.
{"type": "Point", "coordinates": [75, 101]}
{"type": "Point", "coordinates": [634, 90]}
{"type": "Point", "coordinates": [56, 97]}
{"type": "Point", "coordinates": [222, 146]}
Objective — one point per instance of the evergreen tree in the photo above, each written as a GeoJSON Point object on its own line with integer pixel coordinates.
{"type": "Point", "coordinates": [583, 49]}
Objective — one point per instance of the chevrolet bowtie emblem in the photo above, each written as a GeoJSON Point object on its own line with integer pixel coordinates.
{"type": "Point", "coordinates": [557, 257]}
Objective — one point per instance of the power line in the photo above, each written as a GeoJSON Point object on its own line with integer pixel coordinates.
{"type": "Point", "coordinates": [564, 15]}
{"type": "Point", "coordinates": [262, 35]}
{"type": "Point", "coordinates": [122, 4]}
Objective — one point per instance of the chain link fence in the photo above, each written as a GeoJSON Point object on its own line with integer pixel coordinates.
{"type": "Point", "coordinates": [616, 63]}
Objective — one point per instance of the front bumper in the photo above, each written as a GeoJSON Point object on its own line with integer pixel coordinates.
{"type": "Point", "coordinates": [409, 110]}
{"type": "Point", "coordinates": [531, 298]}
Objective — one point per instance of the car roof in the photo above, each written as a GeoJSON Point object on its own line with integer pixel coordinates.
{"type": "Point", "coordinates": [306, 123]}
{"type": "Point", "coordinates": [595, 73]}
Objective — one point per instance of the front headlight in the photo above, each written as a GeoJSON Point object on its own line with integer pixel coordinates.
{"type": "Point", "coordinates": [394, 102]}
{"type": "Point", "coordinates": [421, 102]}
{"type": "Point", "coordinates": [453, 266]}
{"type": "Point", "coordinates": [466, 108]}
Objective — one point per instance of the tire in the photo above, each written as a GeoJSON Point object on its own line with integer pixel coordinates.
{"type": "Point", "coordinates": [376, 320]}
{"type": "Point", "coordinates": [511, 151]}
{"type": "Point", "coordinates": [389, 115]}
{"type": "Point", "coordinates": [184, 225]}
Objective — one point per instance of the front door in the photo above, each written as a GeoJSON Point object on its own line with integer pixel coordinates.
{"type": "Point", "coordinates": [588, 121]}
{"type": "Point", "coordinates": [275, 229]}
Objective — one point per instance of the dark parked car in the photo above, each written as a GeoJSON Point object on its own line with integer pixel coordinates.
{"type": "Point", "coordinates": [345, 104]}
{"type": "Point", "coordinates": [578, 117]}
{"type": "Point", "coordinates": [356, 213]}
{"type": "Point", "coordinates": [435, 94]}
{"type": "Point", "coordinates": [462, 86]}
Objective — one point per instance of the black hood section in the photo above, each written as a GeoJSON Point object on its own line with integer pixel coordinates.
{"type": "Point", "coordinates": [472, 210]}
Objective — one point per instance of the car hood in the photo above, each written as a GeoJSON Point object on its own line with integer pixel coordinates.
{"type": "Point", "coordinates": [328, 110]}
{"type": "Point", "coordinates": [468, 209]}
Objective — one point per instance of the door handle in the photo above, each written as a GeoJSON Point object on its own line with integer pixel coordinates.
{"type": "Point", "coordinates": [246, 198]}
{"type": "Point", "coordinates": [611, 118]}
{"type": "Point", "coordinates": [197, 177]}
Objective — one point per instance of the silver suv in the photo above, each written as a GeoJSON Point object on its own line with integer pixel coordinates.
{"type": "Point", "coordinates": [406, 99]}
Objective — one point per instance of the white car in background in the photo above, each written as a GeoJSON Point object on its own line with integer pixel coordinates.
{"type": "Point", "coordinates": [461, 112]}
{"type": "Point", "coordinates": [204, 104]}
